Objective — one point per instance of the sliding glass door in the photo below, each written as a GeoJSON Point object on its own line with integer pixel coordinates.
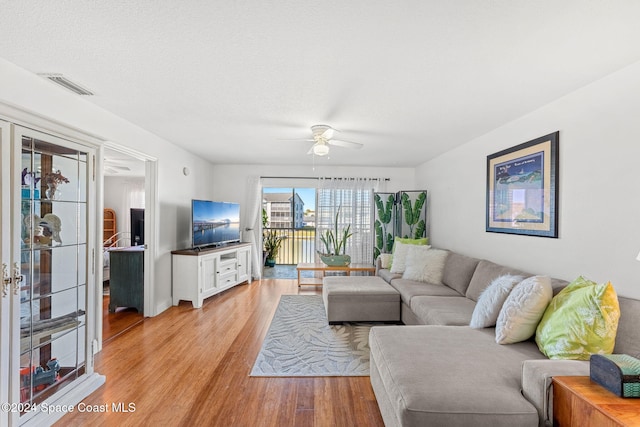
{"type": "Point", "coordinates": [290, 214]}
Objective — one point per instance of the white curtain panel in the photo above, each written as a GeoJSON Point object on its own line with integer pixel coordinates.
{"type": "Point", "coordinates": [253, 229]}
{"type": "Point", "coordinates": [354, 198]}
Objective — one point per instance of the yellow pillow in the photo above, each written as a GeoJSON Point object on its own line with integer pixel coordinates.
{"type": "Point", "coordinates": [580, 321]}
{"type": "Point", "coordinates": [408, 241]}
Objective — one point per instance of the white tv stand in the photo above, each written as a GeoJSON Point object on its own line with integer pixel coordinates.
{"type": "Point", "coordinates": [199, 274]}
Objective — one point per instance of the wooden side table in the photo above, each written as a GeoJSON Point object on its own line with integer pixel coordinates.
{"type": "Point", "coordinates": [579, 402]}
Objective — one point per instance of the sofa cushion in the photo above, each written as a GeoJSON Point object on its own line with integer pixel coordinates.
{"type": "Point", "coordinates": [486, 311]}
{"type": "Point", "coordinates": [458, 270]}
{"type": "Point", "coordinates": [580, 321]}
{"type": "Point", "coordinates": [537, 375]}
{"type": "Point", "coordinates": [558, 285]}
{"type": "Point", "coordinates": [400, 253]}
{"type": "Point", "coordinates": [412, 288]}
{"type": "Point", "coordinates": [425, 264]}
{"type": "Point", "coordinates": [628, 337]}
{"type": "Point", "coordinates": [484, 274]}
{"type": "Point", "coordinates": [523, 310]}
{"type": "Point", "coordinates": [388, 276]}
{"type": "Point", "coordinates": [454, 311]}
{"type": "Point", "coordinates": [447, 376]}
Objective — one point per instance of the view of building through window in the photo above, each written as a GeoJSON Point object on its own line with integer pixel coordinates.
{"type": "Point", "coordinates": [291, 213]}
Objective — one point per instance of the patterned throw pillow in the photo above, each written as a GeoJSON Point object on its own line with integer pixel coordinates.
{"type": "Point", "coordinates": [425, 264]}
{"type": "Point", "coordinates": [485, 314]}
{"type": "Point", "coordinates": [580, 321]}
{"type": "Point", "coordinates": [523, 310]}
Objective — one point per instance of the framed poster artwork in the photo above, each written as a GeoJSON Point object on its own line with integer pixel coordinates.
{"type": "Point", "coordinates": [522, 188]}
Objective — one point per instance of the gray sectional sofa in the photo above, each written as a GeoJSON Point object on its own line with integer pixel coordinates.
{"type": "Point", "coordinates": [437, 371]}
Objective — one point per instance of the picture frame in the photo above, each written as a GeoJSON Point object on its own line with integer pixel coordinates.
{"type": "Point", "coordinates": [522, 188]}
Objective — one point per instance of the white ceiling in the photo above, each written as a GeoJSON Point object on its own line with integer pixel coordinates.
{"type": "Point", "coordinates": [121, 164]}
{"type": "Point", "coordinates": [233, 80]}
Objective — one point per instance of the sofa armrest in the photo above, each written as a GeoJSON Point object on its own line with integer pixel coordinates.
{"type": "Point", "coordinates": [383, 261]}
{"type": "Point", "coordinates": [536, 382]}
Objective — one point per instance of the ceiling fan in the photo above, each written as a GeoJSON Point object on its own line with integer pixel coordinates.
{"type": "Point", "coordinates": [114, 167]}
{"type": "Point", "coordinates": [323, 138]}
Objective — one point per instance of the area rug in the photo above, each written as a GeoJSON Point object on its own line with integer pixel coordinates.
{"type": "Point", "coordinates": [301, 343]}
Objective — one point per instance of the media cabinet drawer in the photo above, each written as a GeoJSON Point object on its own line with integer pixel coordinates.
{"type": "Point", "coordinates": [227, 279]}
{"type": "Point", "coordinates": [227, 265]}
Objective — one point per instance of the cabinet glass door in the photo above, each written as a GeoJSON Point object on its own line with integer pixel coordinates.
{"type": "Point", "coordinates": [6, 265]}
{"type": "Point", "coordinates": [53, 260]}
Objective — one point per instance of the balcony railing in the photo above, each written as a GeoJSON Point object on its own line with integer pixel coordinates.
{"type": "Point", "coordinates": [298, 245]}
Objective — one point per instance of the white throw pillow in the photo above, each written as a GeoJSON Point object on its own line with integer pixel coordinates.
{"type": "Point", "coordinates": [523, 309]}
{"type": "Point", "coordinates": [485, 314]}
{"type": "Point", "coordinates": [425, 264]}
{"type": "Point", "coordinates": [400, 252]}
{"type": "Point", "coordinates": [385, 260]}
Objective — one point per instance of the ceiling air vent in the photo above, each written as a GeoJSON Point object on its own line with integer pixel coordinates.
{"type": "Point", "coordinates": [67, 84]}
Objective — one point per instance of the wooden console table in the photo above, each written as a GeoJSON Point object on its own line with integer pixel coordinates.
{"type": "Point", "coordinates": [579, 402]}
{"type": "Point", "coordinates": [369, 268]}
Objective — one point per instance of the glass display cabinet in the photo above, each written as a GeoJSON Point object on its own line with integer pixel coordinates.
{"type": "Point", "coordinates": [53, 260]}
{"type": "Point", "coordinates": [50, 277]}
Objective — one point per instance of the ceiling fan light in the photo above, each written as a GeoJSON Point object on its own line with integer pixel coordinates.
{"type": "Point", "coordinates": [320, 149]}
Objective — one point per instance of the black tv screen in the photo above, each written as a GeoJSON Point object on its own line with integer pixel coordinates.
{"type": "Point", "coordinates": [214, 223]}
{"type": "Point", "coordinates": [137, 227]}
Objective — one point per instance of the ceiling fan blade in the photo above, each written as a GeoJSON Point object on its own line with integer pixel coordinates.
{"type": "Point", "coordinates": [328, 134]}
{"type": "Point", "coordinates": [347, 144]}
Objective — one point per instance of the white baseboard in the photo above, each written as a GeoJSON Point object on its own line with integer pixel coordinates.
{"type": "Point", "coordinates": [163, 305]}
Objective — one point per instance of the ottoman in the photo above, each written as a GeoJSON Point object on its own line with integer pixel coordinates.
{"type": "Point", "coordinates": [360, 299]}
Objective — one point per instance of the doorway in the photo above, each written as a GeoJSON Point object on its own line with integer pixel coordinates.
{"type": "Point", "coordinates": [289, 214]}
{"type": "Point", "coordinates": [126, 270]}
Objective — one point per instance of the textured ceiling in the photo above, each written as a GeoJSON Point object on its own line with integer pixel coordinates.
{"type": "Point", "coordinates": [232, 81]}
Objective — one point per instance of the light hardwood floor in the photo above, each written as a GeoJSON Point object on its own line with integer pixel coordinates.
{"type": "Point", "coordinates": [113, 324]}
{"type": "Point", "coordinates": [190, 367]}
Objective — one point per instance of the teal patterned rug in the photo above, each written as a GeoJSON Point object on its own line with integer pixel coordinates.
{"type": "Point", "coordinates": [301, 343]}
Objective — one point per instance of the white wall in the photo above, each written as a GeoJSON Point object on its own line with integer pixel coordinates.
{"type": "Point", "coordinates": [599, 225]}
{"type": "Point", "coordinates": [114, 194]}
{"type": "Point", "coordinates": [34, 94]}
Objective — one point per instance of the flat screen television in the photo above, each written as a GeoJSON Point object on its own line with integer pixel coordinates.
{"type": "Point", "coordinates": [214, 223]}
{"type": "Point", "coordinates": [137, 227]}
